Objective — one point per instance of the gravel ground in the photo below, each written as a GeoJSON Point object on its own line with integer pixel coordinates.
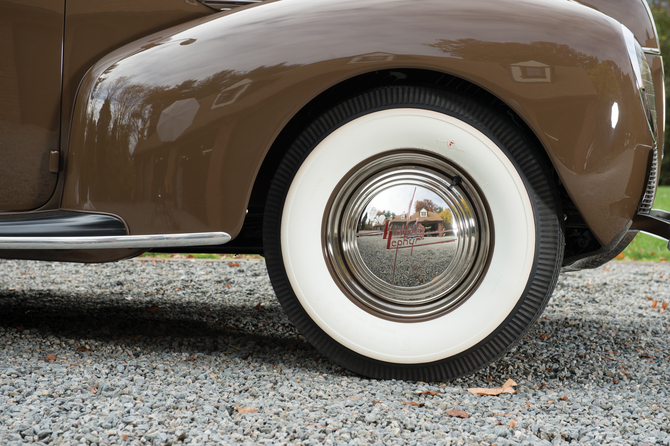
{"type": "Point", "coordinates": [410, 267]}
{"type": "Point", "coordinates": [152, 352]}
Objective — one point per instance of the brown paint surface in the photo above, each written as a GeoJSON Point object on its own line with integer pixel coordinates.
{"type": "Point", "coordinates": [559, 65]}
{"type": "Point", "coordinates": [30, 81]}
{"type": "Point", "coordinates": [94, 28]}
{"type": "Point", "coordinates": [631, 13]}
{"type": "Point", "coordinates": [656, 65]}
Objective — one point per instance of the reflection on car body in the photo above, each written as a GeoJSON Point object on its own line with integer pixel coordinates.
{"type": "Point", "coordinates": [417, 174]}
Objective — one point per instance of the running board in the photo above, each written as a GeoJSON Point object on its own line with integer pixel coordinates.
{"type": "Point", "coordinates": [657, 223]}
{"type": "Point", "coordinates": [77, 230]}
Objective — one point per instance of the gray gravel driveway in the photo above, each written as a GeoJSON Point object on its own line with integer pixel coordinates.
{"type": "Point", "coordinates": [199, 352]}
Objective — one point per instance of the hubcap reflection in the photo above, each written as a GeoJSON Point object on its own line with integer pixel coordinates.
{"type": "Point", "coordinates": [407, 236]}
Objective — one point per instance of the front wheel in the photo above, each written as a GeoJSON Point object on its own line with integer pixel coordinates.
{"type": "Point", "coordinates": [412, 233]}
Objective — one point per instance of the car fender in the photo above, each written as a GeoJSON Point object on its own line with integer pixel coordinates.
{"type": "Point", "coordinates": [170, 131]}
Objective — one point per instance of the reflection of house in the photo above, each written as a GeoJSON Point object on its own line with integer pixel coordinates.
{"type": "Point", "coordinates": [531, 71]}
{"type": "Point", "coordinates": [431, 221]}
{"type": "Point", "coordinates": [230, 94]}
{"type": "Point", "coordinates": [372, 57]}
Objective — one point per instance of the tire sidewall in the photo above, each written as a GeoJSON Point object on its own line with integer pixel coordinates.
{"type": "Point", "coordinates": [457, 342]}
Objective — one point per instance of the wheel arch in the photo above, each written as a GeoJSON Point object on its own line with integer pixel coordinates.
{"type": "Point", "coordinates": [356, 85]}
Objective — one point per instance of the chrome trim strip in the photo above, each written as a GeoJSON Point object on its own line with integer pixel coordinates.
{"type": "Point", "coordinates": [226, 5]}
{"type": "Point", "coordinates": [115, 242]}
{"type": "Point", "coordinates": [650, 190]}
{"type": "Point", "coordinates": [652, 51]}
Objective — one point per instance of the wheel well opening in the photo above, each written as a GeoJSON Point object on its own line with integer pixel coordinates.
{"type": "Point", "coordinates": [252, 230]}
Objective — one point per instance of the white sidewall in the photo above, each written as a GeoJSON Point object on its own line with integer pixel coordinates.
{"type": "Point", "coordinates": [474, 153]}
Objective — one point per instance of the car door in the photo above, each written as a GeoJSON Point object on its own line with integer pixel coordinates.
{"type": "Point", "coordinates": [31, 35]}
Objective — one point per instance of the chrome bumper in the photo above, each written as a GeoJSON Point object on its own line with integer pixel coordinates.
{"type": "Point", "coordinates": [656, 223]}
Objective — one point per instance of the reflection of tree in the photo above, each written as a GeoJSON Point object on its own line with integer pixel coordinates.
{"type": "Point", "coordinates": [130, 112]}
{"type": "Point", "coordinates": [501, 52]}
{"type": "Point", "coordinates": [426, 204]}
{"type": "Point", "coordinates": [447, 217]}
{"type": "Point", "coordinates": [603, 74]}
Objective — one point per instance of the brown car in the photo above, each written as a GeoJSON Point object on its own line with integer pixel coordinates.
{"type": "Point", "coordinates": [416, 173]}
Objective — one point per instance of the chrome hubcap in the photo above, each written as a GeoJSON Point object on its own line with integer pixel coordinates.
{"type": "Point", "coordinates": [408, 236]}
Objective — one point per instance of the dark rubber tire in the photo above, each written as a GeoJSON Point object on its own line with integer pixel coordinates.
{"type": "Point", "coordinates": [497, 123]}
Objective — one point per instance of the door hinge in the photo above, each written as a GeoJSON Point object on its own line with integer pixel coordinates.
{"type": "Point", "coordinates": [54, 161]}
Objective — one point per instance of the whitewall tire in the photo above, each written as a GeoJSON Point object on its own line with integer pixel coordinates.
{"type": "Point", "coordinates": [412, 233]}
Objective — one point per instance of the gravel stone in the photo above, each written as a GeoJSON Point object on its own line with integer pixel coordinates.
{"type": "Point", "coordinates": [179, 351]}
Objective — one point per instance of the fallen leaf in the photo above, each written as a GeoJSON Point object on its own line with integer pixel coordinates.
{"type": "Point", "coordinates": [608, 358]}
{"type": "Point", "coordinates": [233, 264]}
{"type": "Point", "coordinates": [376, 402]}
{"type": "Point", "coordinates": [458, 413]}
{"type": "Point", "coordinates": [428, 392]}
{"type": "Point", "coordinates": [124, 436]}
{"type": "Point", "coordinates": [654, 303]}
{"type": "Point", "coordinates": [82, 348]}
{"type": "Point", "coordinates": [615, 381]}
{"type": "Point", "coordinates": [257, 307]}
{"type": "Point", "coordinates": [319, 425]}
{"type": "Point", "coordinates": [512, 424]}
{"type": "Point", "coordinates": [564, 398]}
{"type": "Point", "coordinates": [290, 347]}
{"type": "Point", "coordinates": [527, 403]}
{"type": "Point", "coordinates": [191, 358]}
{"type": "Point", "coordinates": [190, 256]}
{"type": "Point", "coordinates": [413, 403]}
{"type": "Point", "coordinates": [544, 336]}
{"type": "Point", "coordinates": [93, 389]}
{"type": "Point", "coordinates": [50, 358]}
{"type": "Point", "coordinates": [646, 356]}
{"type": "Point", "coordinates": [620, 256]}
{"type": "Point", "coordinates": [207, 308]}
{"type": "Point", "coordinates": [244, 410]}
{"type": "Point", "coordinates": [508, 387]}
{"type": "Point", "coordinates": [228, 286]}
{"type": "Point", "coordinates": [20, 328]}
{"type": "Point", "coordinates": [153, 309]}
{"type": "Point", "coordinates": [664, 305]}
